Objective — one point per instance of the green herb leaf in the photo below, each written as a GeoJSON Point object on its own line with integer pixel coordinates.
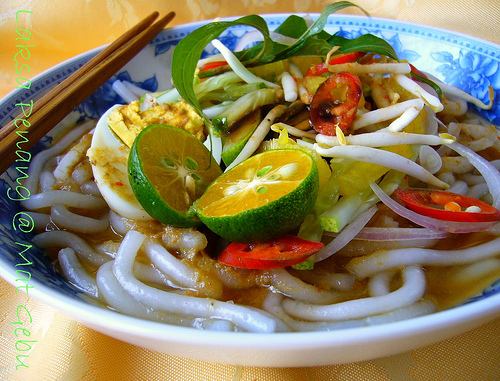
{"type": "Point", "coordinates": [314, 47]}
{"type": "Point", "coordinates": [430, 82]}
{"type": "Point", "coordinates": [294, 26]}
{"type": "Point", "coordinates": [315, 28]}
{"type": "Point", "coordinates": [367, 43]}
{"type": "Point", "coordinates": [188, 52]}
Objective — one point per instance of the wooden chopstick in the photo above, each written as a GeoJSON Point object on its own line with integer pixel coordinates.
{"type": "Point", "coordinates": [113, 47]}
{"type": "Point", "coordinates": [61, 100]}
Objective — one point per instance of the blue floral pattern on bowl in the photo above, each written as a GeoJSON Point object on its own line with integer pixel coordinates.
{"type": "Point", "coordinates": [465, 62]}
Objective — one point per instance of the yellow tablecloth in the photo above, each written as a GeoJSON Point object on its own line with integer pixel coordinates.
{"type": "Point", "coordinates": [66, 350]}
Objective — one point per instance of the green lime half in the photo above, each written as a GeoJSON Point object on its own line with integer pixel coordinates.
{"type": "Point", "coordinates": [169, 169]}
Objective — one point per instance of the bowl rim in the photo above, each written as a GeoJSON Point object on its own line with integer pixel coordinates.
{"type": "Point", "coordinates": [88, 313]}
{"type": "Point", "coordinates": [489, 306]}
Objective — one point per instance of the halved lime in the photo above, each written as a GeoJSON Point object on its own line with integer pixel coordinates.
{"type": "Point", "coordinates": [169, 169]}
{"type": "Point", "coordinates": [261, 198]}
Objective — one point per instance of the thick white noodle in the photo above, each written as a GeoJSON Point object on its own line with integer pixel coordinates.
{"type": "Point", "coordinates": [150, 274]}
{"type": "Point", "coordinates": [179, 272]}
{"type": "Point", "coordinates": [187, 242]}
{"type": "Point", "coordinates": [409, 293]}
{"type": "Point", "coordinates": [82, 173]}
{"type": "Point", "coordinates": [180, 304]}
{"type": "Point", "coordinates": [72, 199]}
{"type": "Point", "coordinates": [47, 181]}
{"type": "Point", "coordinates": [215, 325]}
{"type": "Point", "coordinates": [425, 307]}
{"type": "Point", "coordinates": [66, 219]}
{"type": "Point", "coordinates": [477, 270]}
{"type": "Point", "coordinates": [459, 187]}
{"type": "Point", "coordinates": [471, 179]}
{"type": "Point", "coordinates": [39, 161]}
{"type": "Point", "coordinates": [478, 190]}
{"type": "Point", "coordinates": [380, 283]}
{"type": "Point", "coordinates": [40, 220]}
{"type": "Point", "coordinates": [272, 303]}
{"type": "Point", "coordinates": [73, 270]}
{"type": "Point", "coordinates": [118, 223]}
{"type": "Point", "coordinates": [285, 283]}
{"type": "Point", "coordinates": [447, 177]}
{"type": "Point", "coordinates": [71, 158]}
{"type": "Point", "coordinates": [90, 188]}
{"type": "Point", "coordinates": [119, 299]}
{"type": "Point", "coordinates": [329, 281]}
{"type": "Point", "coordinates": [382, 260]}
{"type": "Point", "coordinates": [61, 238]}
{"type": "Point", "coordinates": [456, 164]}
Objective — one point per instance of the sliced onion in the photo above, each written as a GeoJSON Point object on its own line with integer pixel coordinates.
{"type": "Point", "coordinates": [346, 236]}
{"type": "Point", "coordinates": [490, 173]}
{"type": "Point", "coordinates": [392, 234]}
{"type": "Point", "coordinates": [429, 222]}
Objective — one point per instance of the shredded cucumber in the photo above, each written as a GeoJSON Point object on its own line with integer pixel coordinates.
{"type": "Point", "coordinates": [247, 103]}
{"type": "Point", "coordinates": [344, 211]}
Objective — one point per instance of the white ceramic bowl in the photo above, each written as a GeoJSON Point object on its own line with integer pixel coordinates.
{"type": "Point", "coordinates": [466, 62]}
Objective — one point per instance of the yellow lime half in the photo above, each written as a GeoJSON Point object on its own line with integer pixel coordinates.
{"type": "Point", "coordinates": [261, 198]}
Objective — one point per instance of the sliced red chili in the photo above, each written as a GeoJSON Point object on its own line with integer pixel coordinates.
{"type": "Point", "coordinates": [335, 103]}
{"type": "Point", "coordinates": [340, 59]}
{"type": "Point", "coordinates": [213, 65]}
{"type": "Point", "coordinates": [443, 205]}
{"type": "Point", "coordinates": [284, 251]}
{"type": "Point", "coordinates": [414, 71]}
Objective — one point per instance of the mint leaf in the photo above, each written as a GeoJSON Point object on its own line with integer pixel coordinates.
{"type": "Point", "coordinates": [315, 29]}
{"type": "Point", "coordinates": [367, 43]}
{"type": "Point", "coordinates": [188, 52]}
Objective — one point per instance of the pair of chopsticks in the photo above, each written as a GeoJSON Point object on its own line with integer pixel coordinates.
{"type": "Point", "coordinates": [62, 99]}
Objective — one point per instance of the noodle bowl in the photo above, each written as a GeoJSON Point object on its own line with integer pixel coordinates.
{"type": "Point", "coordinates": [146, 270]}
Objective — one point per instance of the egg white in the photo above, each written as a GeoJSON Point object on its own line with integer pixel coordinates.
{"type": "Point", "coordinates": [109, 156]}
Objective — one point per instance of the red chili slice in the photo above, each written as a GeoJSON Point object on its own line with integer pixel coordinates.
{"type": "Point", "coordinates": [414, 70]}
{"type": "Point", "coordinates": [343, 58]}
{"type": "Point", "coordinates": [213, 65]}
{"type": "Point", "coordinates": [335, 103]}
{"type": "Point", "coordinates": [284, 251]}
{"type": "Point", "coordinates": [431, 203]}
